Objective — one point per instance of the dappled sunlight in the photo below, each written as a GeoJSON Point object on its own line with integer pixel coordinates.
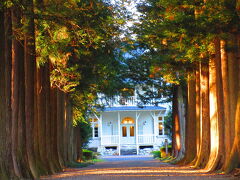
{"type": "Point", "coordinates": [135, 171]}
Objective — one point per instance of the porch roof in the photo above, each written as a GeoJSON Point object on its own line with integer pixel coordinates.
{"type": "Point", "coordinates": [133, 108]}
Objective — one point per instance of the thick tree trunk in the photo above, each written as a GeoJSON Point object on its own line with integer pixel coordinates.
{"type": "Point", "coordinates": [204, 149]}
{"type": "Point", "coordinates": [190, 138]}
{"type": "Point", "coordinates": [219, 82]}
{"type": "Point", "coordinates": [65, 130]}
{"type": "Point", "coordinates": [182, 121]}
{"type": "Point", "coordinates": [4, 169]}
{"type": "Point", "coordinates": [22, 151]}
{"type": "Point", "coordinates": [226, 103]}
{"type": "Point", "coordinates": [54, 142]}
{"type": "Point", "coordinates": [30, 66]}
{"type": "Point", "coordinates": [232, 74]}
{"type": "Point", "coordinates": [234, 158]}
{"type": "Point", "coordinates": [198, 108]}
{"type": "Point", "coordinates": [60, 124]}
{"type": "Point", "coordinates": [7, 64]}
{"type": "Point", "coordinates": [17, 100]}
{"type": "Point", "coordinates": [41, 119]}
{"type": "Point", "coordinates": [47, 89]}
{"type": "Point", "coordinates": [176, 124]}
{"type": "Point", "coordinates": [78, 144]}
{"type": "Point", "coordinates": [214, 123]}
{"type": "Point", "coordinates": [231, 68]}
{"type": "Point", "coordinates": [70, 133]}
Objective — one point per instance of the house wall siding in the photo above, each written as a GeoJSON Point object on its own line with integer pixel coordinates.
{"type": "Point", "coordinates": [147, 128]}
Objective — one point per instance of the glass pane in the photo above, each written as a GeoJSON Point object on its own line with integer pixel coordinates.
{"type": "Point", "coordinates": [160, 127]}
{"type": "Point", "coordinates": [124, 131]}
{"type": "Point", "coordinates": [127, 120]}
{"type": "Point", "coordinates": [160, 118]}
{"type": "Point", "coordinates": [95, 131]}
{"type": "Point", "coordinates": [131, 130]}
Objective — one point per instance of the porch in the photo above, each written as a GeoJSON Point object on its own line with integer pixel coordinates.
{"type": "Point", "coordinates": [120, 128]}
{"type": "Point", "coordinates": [115, 140]}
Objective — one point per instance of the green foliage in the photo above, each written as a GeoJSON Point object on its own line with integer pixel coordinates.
{"type": "Point", "coordinates": [80, 39]}
{"type": "Point", "coordinates": [85, 131]}
{"type": "Point", "coordinates": [178, 34]}
{"type": "Point", "coordinates": [78, 164]}
{"type": "Point", "coordinates": [168, 124]}
{"type": "Point", "coordinates": [163, 151]}
{"type": "Point", "coordinates": [156, 154]}
{"type": "Point", "coordinates": [75, 36]}
{"type": "Point", "coordinates": [89, 155]}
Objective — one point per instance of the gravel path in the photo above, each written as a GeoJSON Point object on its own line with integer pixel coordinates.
{"type": "Point", "coordinates": [135, 167]}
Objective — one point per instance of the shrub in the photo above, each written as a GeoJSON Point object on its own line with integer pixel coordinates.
{"type": "Point", "coordinates": [89, 155]}
{"type": "Point", "coordinates": [156, 154]}
{"type": "Point", "coordinates": [163, 151]}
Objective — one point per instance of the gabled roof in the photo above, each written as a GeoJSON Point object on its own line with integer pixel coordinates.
{"type": "Point", "coordinates": [133, 108]}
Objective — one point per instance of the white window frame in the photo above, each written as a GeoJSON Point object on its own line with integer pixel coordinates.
{"type": "Point", "coordinates": [94, 123]}
{"type": "Point", "coordinates": [161, 121]}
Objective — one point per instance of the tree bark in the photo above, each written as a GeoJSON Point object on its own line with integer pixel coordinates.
{"type": "Point", "coordinates": [198, 108]}
{"type": "Point", "coordinates": [60, 124]}
{"type": "Point", "coordinates": [4, 169]}
{"type": "Point", "coordinates": [190, 138]}
{"type": "Point", "coordinates": [215, 118]}
{"type": "Point", "coordinates": [54, 142]}
{"type": "Point", "coordinates": [230, 93]}
{"type": "Point", "coordinates": [8, 165]}
{"type": "Point", "coordinates": [219, 82]}
{"type": "Point", "coordinates": [233, 161]}
{"type": "Point", "coordinates": [232, 74]}
{"type": "Point", "coordinates": [182, 121]}
{"type": "Point", "coordinates": [226, 102]}
{"type": "Point", "coordinates": [176, 124]}
{"type": "Point", "coordinates": [204, 147]}
{"type": "Point", "coordinates": [234, 158]}
{"type": "Point", "coordinates": [30, 66]}
{"type": "Point", "coordinates": [47, 89]}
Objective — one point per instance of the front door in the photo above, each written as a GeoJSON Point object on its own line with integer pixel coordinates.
{"type": "Point", "coordinates": [127, 134]}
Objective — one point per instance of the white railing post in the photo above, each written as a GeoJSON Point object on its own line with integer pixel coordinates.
{"type": "Point", "coordinates": [119, 129]}
{"type": "Point", "coordinates": [100, 124]}
{"type": "Point", "coordinates": [154, 128]}
{"type": "Point", "coordinates": [136, 123]}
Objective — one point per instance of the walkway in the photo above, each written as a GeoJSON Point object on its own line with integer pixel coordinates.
{"type": "Point", "coordinates": [134, 168]}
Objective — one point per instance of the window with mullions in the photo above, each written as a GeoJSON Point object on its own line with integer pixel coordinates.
{"type": "Point", "coordinates": [94, 123]}
{"type": "Point", "coordinates": [96, 130]}
{"type": "Point", "coordinates": [160, 126]}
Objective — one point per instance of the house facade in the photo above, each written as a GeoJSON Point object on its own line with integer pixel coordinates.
{"type": "Point", "coordinates": [128, 129]}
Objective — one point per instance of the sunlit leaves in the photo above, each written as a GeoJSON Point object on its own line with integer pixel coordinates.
{"type": "Point", "coordinates": [180, 32]}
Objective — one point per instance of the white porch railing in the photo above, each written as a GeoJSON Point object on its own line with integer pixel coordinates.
{"type": "Point", "coordinates": [146, 139]}
{"type": "Point", "coordinates": [122, 101]}
{"type": "Point", "coordinates": [110, 140]}
{"type": "Point", "coordinates": [114, 140]}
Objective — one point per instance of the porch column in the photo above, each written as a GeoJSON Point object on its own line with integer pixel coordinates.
{"type": "Point", "coordinates": [100, 124]}
{"type": "Point", "coordinates": [119, 133]}
{"type": "Point", "coordinates": [154, 128]}
{"type": "Point", "coordinates": [137, 133]}
{"type": "Point", "coordinates": [163, 125]}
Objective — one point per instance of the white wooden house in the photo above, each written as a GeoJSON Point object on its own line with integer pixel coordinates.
{"type": "Point", "coordinates": [125, 128]}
